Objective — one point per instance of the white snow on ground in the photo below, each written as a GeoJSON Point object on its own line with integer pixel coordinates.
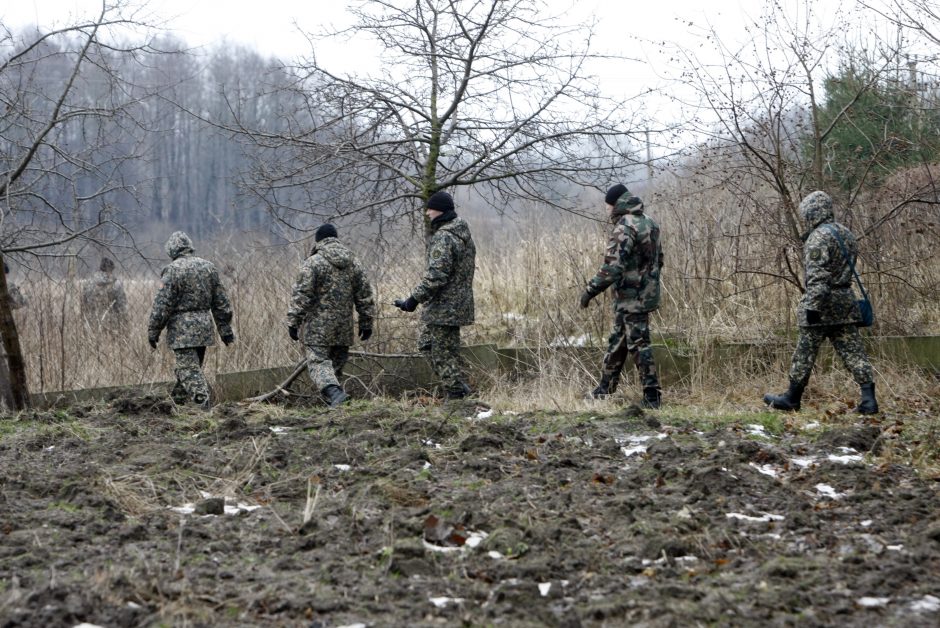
{"type": "Point", "coordinates": [873, 602]}
{"type": "Point", "coordinates": [828, 491]}
{"type": "Point", "coordinates": [229, 508]}
{"type": "Point", "coordinates": [927, 604]}
{"type": "Point", "coordinates": [763, 518]}
{"type": "Point", "coordinates": [474, 539]}
{"type": "Point", "coordinates": [443, 602]}
{"type": "Point", "coordinates": [342, 467]}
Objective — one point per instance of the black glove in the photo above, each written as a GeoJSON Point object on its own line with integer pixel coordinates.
{"type": "Point", "coordinates": [365, 333]}
{"type": "Point", "coordinates": [812, 317]}
{"type": "Point", "coordinates": [586, 297]}
{"type": "Point", "coordinates": [228, 338]}
{"type": "Point", "coordinates": [406, 305]}
{"type": "Point", "coordinates": [294, 335]}
{"type": "Point", "coordinates": [153, 338]}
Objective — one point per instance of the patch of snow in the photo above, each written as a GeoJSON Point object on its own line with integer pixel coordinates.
{"type": "Point", "coordinates": [873, 602]}
{"type": "Point", "coordinates": [358, 625]}
{"type": "Point", "coordinates": [894, 548]}
{"type": "Point", "coordinates": [927, 604]}
{"type": "Point", "coordinates": [812, 426]}
{"type": "Point", "coordinates": [228, 509]}
{"type": "Point", "coordinates": [239, 507]}
{"type": "Point", "coordinates": [766, 469]}
{"type": "Point", "coordinates": [443, 602]}
{"type": "Point", "coordinates": [866, 523]}
{"type": "Point", "coordinates": [277, 429]}
{"type": "Point", "coordinates": [514, 316]}
{"type": "Point", "coordinates": [544, 588]}
{"type": "Point", "coordinates": [763, 518]}
{"type": "Point", "coordinates": [803, 462]}
{"type": "Point", "coordinates": [845, 459]}
{"type": "Point", "coordinates": [495, 555]}
{"type": "Point", "coordinates": [828, 491]}
{"type": "Point", "coordinates": [630, 451]}
{"type": "Point", "coordinates": [474, 539]}
{"type": "Point", "coordinates": [431, 443]}
{"type": "Point", "coordinates": [427, 465]}
{"type": "Point", "coordinates": [49, 448]}
{"type": "Point", "coordinates": [85, 625]}
{"type": "Point", "coordinates": [757, 430]}
{"type": "Point", "coordinates": [342, 467]}
{"type": "Point", "coordinates": [484, 414]}
{"type": "Point", "coordinates": [571, 341]}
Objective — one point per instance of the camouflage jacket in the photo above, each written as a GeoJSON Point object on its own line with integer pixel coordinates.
{"type": "Point", "coordinates": [633, 259]}
{"type": "Point", "coordinates": [446, 290]}
{"type": "Point", "coordinates": [103, 296]}
{"type": "Point", "coordinates": [330, 284]}
{"type": "Point", "coordinates": [190, 297]}
{"type": "Point", "coordinates": [828, 277]}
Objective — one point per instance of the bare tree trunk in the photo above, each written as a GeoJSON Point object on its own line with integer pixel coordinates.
{"type": "Point", "coordinates": [14, 388]}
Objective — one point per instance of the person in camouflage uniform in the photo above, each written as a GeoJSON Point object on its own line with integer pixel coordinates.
{"type": "Point", "coordinates": [632, 264]}
{"type": "Point", "coordinates": [828, 308]}
{"type": "Point", "coordinates": [17, 300]}
{"type": "Point", "coordinates": [190, 298]}
{"type": "Point", "coordinates": [446, 290]}
{"type": "Point", "coordinates": [330, 284]}
{"type": "Point", "coordinates": [103, 300]}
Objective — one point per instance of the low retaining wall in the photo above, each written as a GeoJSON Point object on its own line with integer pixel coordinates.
{"type": "Point", "coordinates": [393, 374]}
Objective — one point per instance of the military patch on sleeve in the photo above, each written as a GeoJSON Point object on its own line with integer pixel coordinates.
{"type": "Point", "coordinates": [435, 254]}
{"type": "Point", "coordinates": [815, 254]}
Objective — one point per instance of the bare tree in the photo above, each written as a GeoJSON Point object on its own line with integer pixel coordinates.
{"type": "Point", "coordinates": [488, 94]}
{"type": "Point", "coordinates": [63, 106]}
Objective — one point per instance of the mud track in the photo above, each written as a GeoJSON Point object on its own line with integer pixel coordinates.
{"type": "Point", "coordinates": [386, 514]}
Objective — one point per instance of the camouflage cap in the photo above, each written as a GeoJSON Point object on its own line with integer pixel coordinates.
{"type": "Point", "coordinates": [178, 244]}
{"type": "Point", "coordinates": [816, 207]}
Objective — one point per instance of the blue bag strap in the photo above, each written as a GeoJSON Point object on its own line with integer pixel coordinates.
{"type": "Point", "coordinates": [845, 253]}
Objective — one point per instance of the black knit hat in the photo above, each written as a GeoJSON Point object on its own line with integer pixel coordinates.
{"type": "Point", "coordinates": [441, 201]}
{"type": "Point", "coordinates": [325, 231]}
{"type": "Point", "coordinates": [614, 193]}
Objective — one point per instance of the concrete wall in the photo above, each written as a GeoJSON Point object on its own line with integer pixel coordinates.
{"type": "Point", "coordinates": [371, 374]}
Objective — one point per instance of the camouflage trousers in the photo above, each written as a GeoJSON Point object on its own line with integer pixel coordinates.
{"type": "Point", "coordinates": [191, 384]}
{"type": "Point", "coordinates": [325, 364]}
{"type": "Point", "coordinates": [631, 335]}
{"type": "Point", "coordinates": [440, 344]}
{"type": "Point", "coordinates": [848, 344]}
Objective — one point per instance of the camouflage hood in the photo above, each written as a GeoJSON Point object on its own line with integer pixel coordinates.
{"type": "Point", "coordinates": [179, 244]}
{"type": "Point", "coordinates": [335, 252]}
{"type": "Point", "coordinates": [626, 204]}
{"type": "Point", "coordinates": [816, 208]}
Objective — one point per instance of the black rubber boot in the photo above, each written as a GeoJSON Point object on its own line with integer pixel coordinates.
{"type": "Point", "coordinates": [789, 400]}
{"type": "Point", "coordinates": [605, 388]}
{"type": "Point", "coordinates": [652, 398]}
{"type": "Point", "coordinates": [335, 395]}
{"type": "Point", "coordinates": [460, 393]}
{"type": "Point", "coordinates": [868, 404]}
{"type": "Point", "coordinates": [204, 403]}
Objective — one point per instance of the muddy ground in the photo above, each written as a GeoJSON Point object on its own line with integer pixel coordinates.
{"type": "Point", "coordinates": [406, 514]}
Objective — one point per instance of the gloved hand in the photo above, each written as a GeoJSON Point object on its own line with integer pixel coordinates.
{"type": "Point", "coordinates": [228, 338]}
{"type": "Point", "coordinates": [812, 317]}
{"type": "Point", "coordinates": [365, 333]}
{"type": "Point", "coordinates": [586, 297]}
{"type": "Point", "coordinates": [406, 305]}
{"type": "Point", "coordinates": [153, 338]}
{"type": "Point", "coordinates": [293, 332]}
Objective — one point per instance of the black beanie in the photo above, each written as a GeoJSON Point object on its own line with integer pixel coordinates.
{"type": "Point", "coordinates": [325, 231]}
{"type": "Point", "coordinates": [441, 201]}
{"type": "Point", "coordinates": [614, 193]}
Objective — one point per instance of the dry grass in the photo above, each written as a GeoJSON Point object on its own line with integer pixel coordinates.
{"type": "Point", "coordinates": [529, 276]}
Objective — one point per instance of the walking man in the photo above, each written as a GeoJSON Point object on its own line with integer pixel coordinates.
{"type": "Point", "coordinates": [103, 300]}
{"type": "Point", "coordinates": [330, 284]}
{"type": "Point", "coordinates": [828, 308]}
{"type": "Point", "coordinates": [446, 290]}
{"type": "Point", "coordinates": [190, 298]}
{"type": "Point", "coordinates": [632, 264]}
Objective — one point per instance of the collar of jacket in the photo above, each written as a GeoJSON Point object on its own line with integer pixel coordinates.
{"type": "Point", "coordinates": [445, 217]}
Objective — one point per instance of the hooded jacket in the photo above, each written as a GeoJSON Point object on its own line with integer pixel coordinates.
{"type": "Point", "coordinates": [828, 274]}
{"type": "Point", "coordinates": [633, 260]}
{"type": "Point", "coordinates": [190, 298]}
{"type": "Point", "coordinates": [446, 290]}
{"type": "Point", "coordinates": [331, 282]}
